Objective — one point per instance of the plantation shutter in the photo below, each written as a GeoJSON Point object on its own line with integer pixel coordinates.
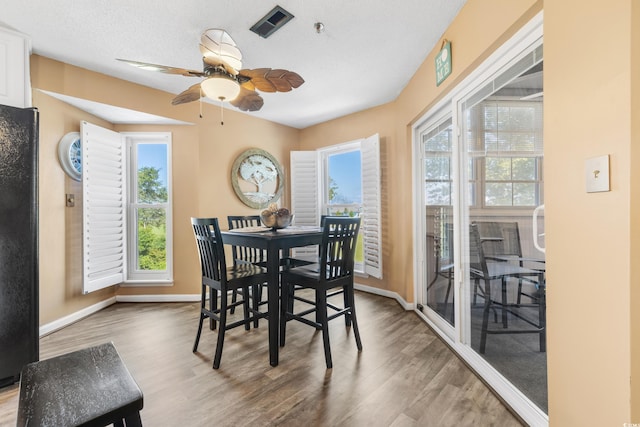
{"type": "Point", "coordinates": [103, 207]}
{"type": "Point", "coordinates": [371, 225]}
{"type": "Point", "coordinates": [305, 197]}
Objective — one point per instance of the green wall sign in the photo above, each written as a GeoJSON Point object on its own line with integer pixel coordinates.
{"type": "Point", "coordinates": [443, 63]}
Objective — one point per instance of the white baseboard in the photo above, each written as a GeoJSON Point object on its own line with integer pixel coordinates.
{"type": "Point", "coordinates": [74, 317]}
{"type": "Point", "coordinates": [159, 298]}
{"type": "Point", "coordinates": [389, 294]}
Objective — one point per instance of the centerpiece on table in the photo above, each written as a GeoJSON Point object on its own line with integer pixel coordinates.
{"type": "Point", "coordinates": [275, 217]}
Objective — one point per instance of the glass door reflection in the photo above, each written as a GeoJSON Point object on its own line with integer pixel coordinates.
{"type": "Point", "coordinates": [438, 194]}
{"type": "Point", "coordinates": [502, 150]}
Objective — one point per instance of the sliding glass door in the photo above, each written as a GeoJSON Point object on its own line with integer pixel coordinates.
{"type": "Point", "coordinates": [502, 150]}
{"type": "Point", "coordinates": [479, 174]}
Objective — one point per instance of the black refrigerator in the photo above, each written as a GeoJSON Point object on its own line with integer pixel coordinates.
{"type": "Point", "coordinates": [18, 241]}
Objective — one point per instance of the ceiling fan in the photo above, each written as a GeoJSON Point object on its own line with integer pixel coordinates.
{"type": "Point", "coordinates": [225, 80]}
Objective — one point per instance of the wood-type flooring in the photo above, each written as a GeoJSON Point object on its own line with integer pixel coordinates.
{"type": "Point", "coordinates": [404, 376]}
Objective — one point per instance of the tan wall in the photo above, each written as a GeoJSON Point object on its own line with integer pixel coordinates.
{"type": "Point", "coordinates": [587, 101]}
{"type": "Point", "coordinates": [202, 157]}
{"type": "Point", "coordinates": [60, 228]}
{"type": "Point", "coordinates": [634, 178]}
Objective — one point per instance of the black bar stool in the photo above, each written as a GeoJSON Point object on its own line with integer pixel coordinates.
{"type": "Point", "coordinates": [88, 387]}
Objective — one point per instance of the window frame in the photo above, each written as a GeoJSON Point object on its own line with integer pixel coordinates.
{"type": "Point", "coordinates": [133, 275]}
{"type": "Point", "coordinates": [325, 206]}
{"type": "Point", "coordinates": [308, 182]}
{"type": "Point", "coordinates": [478, 176]}
{"type": "Point", "coordinates": [477, 183]}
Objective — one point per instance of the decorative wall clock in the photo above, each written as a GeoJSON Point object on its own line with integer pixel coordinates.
{"type": "Point", "coordinates": [257, 178]}
{"type": "Point", "coordinates": [70, 155]}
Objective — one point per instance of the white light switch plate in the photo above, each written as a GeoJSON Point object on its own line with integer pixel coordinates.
{"type": "Point", "coordinates": [596, 172]}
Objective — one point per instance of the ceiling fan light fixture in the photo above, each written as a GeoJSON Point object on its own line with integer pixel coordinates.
{"type": "Point", "coordinates": [220, 87]}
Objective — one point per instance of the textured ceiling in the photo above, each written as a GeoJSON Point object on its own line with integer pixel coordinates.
{"type": "Point", "coordinates": [365, 56]}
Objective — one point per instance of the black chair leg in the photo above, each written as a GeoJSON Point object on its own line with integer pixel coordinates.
{"type": "Point", "coordinates": [347, 303]}
{"type": "Point", "coordinates": [542, 316]}
{"type": "Point", "coordinates": [213, 306]}
{"type": "Point", "coordinates": [284, 304]}
{"type": "Point", "coordinates": [446, 297]}
{"type": "Point", "coordinates": [203, 303]}
{"type": "Point", "coordinates": [256, 293]}
{"type": "Point", "coordinates": [485, 319]}
{"type": "Point", "coordinates": [245, 308]}
{"type": "Point", "coordinates": [133, 420]}
{"type": "Point", "coordinates": [321, 316]}
{"type": "Point", "coordinates": [504, 302]}
{"type": "Point", "coordinates": [195, 344]}
{"type": "Point", "coordinates": [221, 330]}
{"type": "Point", "coordinates": [234, 299]}
{"type": "Point", "coordinates": [354, 319]}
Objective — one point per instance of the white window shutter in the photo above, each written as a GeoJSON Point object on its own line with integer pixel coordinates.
{"type": "Point", "coordinates": [103, 191]}
{"type": "Point", "coordinates": [304, 193]}
{"type": "Point", "coordinates": [371, 227]}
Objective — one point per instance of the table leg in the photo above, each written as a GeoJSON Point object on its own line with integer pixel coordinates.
{"type": "Point", "coordinates": [273, 298]}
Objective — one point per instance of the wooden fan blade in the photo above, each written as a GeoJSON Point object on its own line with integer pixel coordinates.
{"type": "Point", "coordinates": [248, 100]}
{"type": "Point", "coordinates": [189, 95]}
{"type": "Point", "coordinates": [268, 80]}
{"type": "Point", "coordinates": [248, 85]}
{"type": "Point", "coordinates": [284, 80]}
{"type": "Point", "coordinates": [163, 68]}
{"type": "Point", "coordinates": [259, 80]}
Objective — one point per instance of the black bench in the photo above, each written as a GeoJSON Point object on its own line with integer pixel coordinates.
{"type": "Point", "coordinates": [89, 387]}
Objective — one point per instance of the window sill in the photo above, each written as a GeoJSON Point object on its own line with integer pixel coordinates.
{"type": "Point", "coordinates": [146, 283]}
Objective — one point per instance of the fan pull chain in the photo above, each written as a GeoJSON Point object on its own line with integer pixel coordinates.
{"type": "Point", "coordinates": [200, 102]}
{"type": "Point", "coordinates": [221, 98]}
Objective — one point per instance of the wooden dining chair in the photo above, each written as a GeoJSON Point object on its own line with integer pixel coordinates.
{"type": "Point", "coordinates": [243, 255]}
{"type": "Point", "coordinates": [219, 280]}
{"type": "Point", "coordinates": [335, 270]}
{"type": "Point", "coordinates": [483, 272]}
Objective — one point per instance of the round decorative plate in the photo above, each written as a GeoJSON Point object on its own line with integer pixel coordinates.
{"type": "Point", "coordinates": [257, 178]}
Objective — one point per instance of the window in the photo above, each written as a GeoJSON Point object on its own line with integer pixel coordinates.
{"type": "Point", "coordinates": [341, 180]}
{"type": "Point", "coordinates": [342, 172]}
{"type": "Point", "coordinates": [149, 207]}
{"type": "Point", "coordinates": [505, 164]}
{"type": "Point", "coordinates": [437, 164]}
{"type": "Point", "coordinates": [505, 169]}
{"type": "Point", "coordinates": [342, 188]}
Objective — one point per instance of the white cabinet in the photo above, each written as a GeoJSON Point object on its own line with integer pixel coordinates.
{"type": "Point", "coordinates": [15, 84]}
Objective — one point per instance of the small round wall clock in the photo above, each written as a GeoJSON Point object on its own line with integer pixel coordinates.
{"type": "Point", "coordinates": [70, 155]}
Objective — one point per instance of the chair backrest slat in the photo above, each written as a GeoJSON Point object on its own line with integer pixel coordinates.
{"type": "Point", "coordinates": [338, 247]}
{"type": "Point", "coordinates": [210, 248]}
{"type": "Point", "coordinates": [243, 253]}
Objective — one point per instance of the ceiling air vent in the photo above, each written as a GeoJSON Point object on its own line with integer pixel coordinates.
{"type": "Point", "coordinates": [271, 22]}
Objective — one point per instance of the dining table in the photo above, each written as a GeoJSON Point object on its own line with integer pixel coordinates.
{"type": "Point", "coordinates": [277, 243]}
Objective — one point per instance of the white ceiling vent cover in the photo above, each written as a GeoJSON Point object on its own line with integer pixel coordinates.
{"type": "Point", "coordinates": [271, 22]}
